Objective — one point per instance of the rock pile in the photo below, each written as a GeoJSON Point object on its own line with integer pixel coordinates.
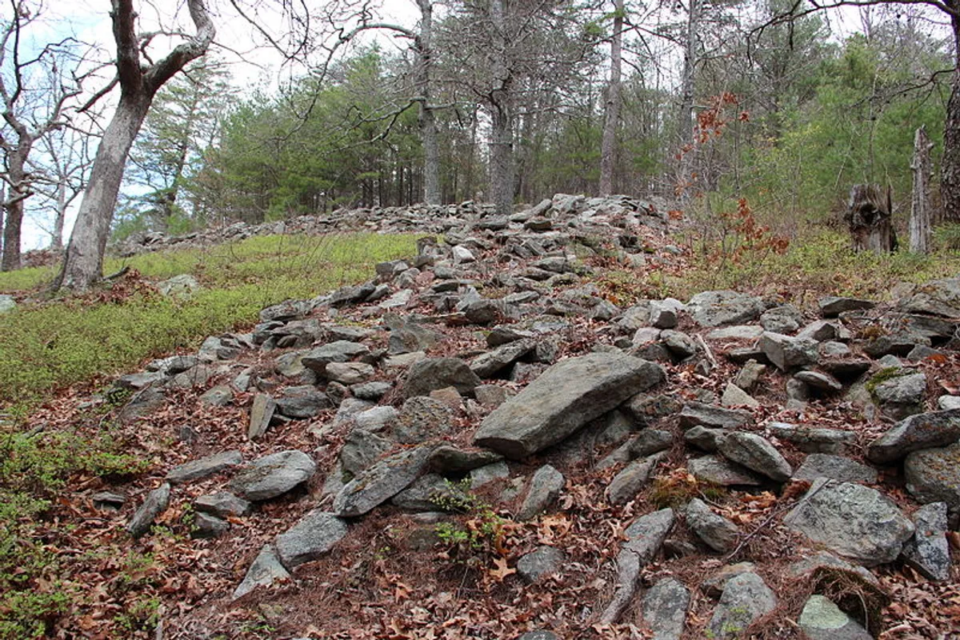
{"type": "Point", "coordinates": [492, 350]}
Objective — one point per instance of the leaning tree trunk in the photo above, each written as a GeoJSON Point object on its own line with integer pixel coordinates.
{"type": "Point", "coordinates": [920, 200]}
{"type": "Point", "coordinates": [19, 191]}
{"type": "Point", "coordinates": [83, 262]}
{"type": "Point", "coordinates": [613, 100]}
{"type": "Point", "coordinates": [868, 218]}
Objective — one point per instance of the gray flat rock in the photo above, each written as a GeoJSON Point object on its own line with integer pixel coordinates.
{"type": "Point", "coordinates": [755, 453]}
{"type": "Point", "coordinates": [223, 504]}
{"type": "Point", "coordinates": [627, 484]}
{"type": "Point", "coordinates": [928, 551]}
{"type": "Point", "coordinates": [852, 520]}
{"type": "Point", "coordinates": [273, 475]}
{"type": "Point", "coordinates": [821, 619]}
{"type": "Point", "coordinates": [745, 598]}
{"type": "Point", "coordinates": [314, 535]}
{"type": "Point", "coordinates": [715, 308]}
{"type": "Point", "coordinates": [811, 439]}
{"type": "Point", "coordinates": [261, 412]}
{"type": "Point", "coordinates": [717, 532]}
{"type": "Point", "coordinates": [154, 504]}
{"type": "Point", "coordinates": [720, 471]}
{"type": "Point", "coordinates": [542, 563]}
{"type": "Point", "coordinates": [431, 374]}
{"type": "Point", "coordinates": [380, 482]}
{"type": "Point", "coordinates": [196, 469]}
{"type": "Point", "coordinates": [923, 431]}
{"type": "Point", "coordinates": [265, 570]}
{"type": "Point", "coordinates": [545, 487]}
{"type": "Point", "coordinates": [562, 400]}
{"type": "Point", "coordinates": [664, 609]}
{"type": "Point", "coordinates": [823, 465]}
{"type": "Point", "coordinates": [706, 415]}
{"type": "Point", "coordinates": [933, 475]}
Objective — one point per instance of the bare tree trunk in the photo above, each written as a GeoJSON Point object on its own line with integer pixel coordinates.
{"type": "Point", "coordinates": [613, 102]}
{"type": "Point", "coordinates": [56, 238]}
{"type": "Point", "coordinates": [427, 118]}
{"type": "Point", "coordinates": [685, 151]}
{"type": "Point", "coordinates": [501, 117]}
{"type": "Point", "coordinates": [19, 191]}
{"type": "Point", "coordinates": [920, 200]}
{"type": "Point", "coordinates": [950, 164]}
{"type": "Point", "coordinates": [83, 262]}
{"type": "Point", "coordinates": [868, 219]}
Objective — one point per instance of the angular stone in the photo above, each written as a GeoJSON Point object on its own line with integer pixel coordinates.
{"type": "Point", "coordinates": [218, 396]}
{"type": "Point", "coordinates": [720, 471]}
{"type": "Point", "coordinates": [273, 475]}
{"type": "Point", "coordinates": [627, 484]}
{"type": "Point", "coordinates": [818, 380]}
{"type": "Point", "coordinates": [699, 414]}
{"type": "Point", "coordinates": [261, 412]}
{"type": "Point", "coordinates": [643, 541]}
{"type": "Point", "coordinates": [542, 563]}
{"type": "Point", "coordinates": [349, 372]}
{"type": "Point", "coordinates": [832, 306]}
{"type": "Point", "coordinates": [811, 439]}
{"type": "Point", "coordinates": [491, 363]}
{"type": "Point", "coordinates": [545, 487]}
{"type": "Point", "coordinates": [933, 475]}
{"type": "Point", "coordinates": [338, 351]}
{"type": "Point", "coordinates": [664, 313]}
{"type": "Point", "coordinates": [713, 585]}
{"type": "Point", "coordinates": [736, 332]}
{"type": "Point", "coordinates": [422, 419]}
{"type": "Point", "coordinates": [314, 535]}
{"type": "Point", "coordinates": [380, 482]}
{"type": "Point", "coordinates": [265, 570]}
{"type": "Point", "coordinates": [437, 373]}
{"type": "Point", "coordinates": [928, 551]}
{"type": "Point", "coordinates": [448, 459]}
{"type": "Point", "coordinates": [206, 525]}
{"type": "Point", "coordinates": [678, 343]}
{"type": "Point", "coordinates": [562, 400]}
{"type": "Point", "coordinates": [154, 504]}
{"type": "Point", "coordinates": [714, 530]}
{"type": "Point", "coordinates": [488, 473]}
{"type": "Point", "coordinates": [788, 353]}
{"type": "Point", "coordinates": [223, 505]}
{"type": "Point", "coordinates": [196, 469]}
{"type": "Point", "coordinates": [749, 375]}
{"type": "Point", "coordinates": [137, 381]}
{"type": "Point", "coordinates": [822, 465]}
{"type": "Point", "coordinates": [361, 449]}
{"type": "Point", "coordinates": [783, 319]}
{"type": "Point", "coordinates": [408, 336]}
{"type": "Point", "coordinates": [745, 598]}
{"type": "Point", "coordinates": [821, 619]}
{"type": "Point", "coordinates": [823, 560]}
{"type": "Point", "coordinates": [855, 521]}
{"type": "Point", "coordinates": [715, 308]}
{"type": "Point", "coordinates": [431, 492]}
{"type": "Point", "coordinates": [371, 391]}
{"type": "Point", "coordinates": [734, 396]}
{"type": "Point", "coordinates": [376, 419]}
{"type": "Point", "coordinates": [901, 396]}
{"type": "Point", "coordinates": [664, 609]}
{"type": "Point", "coordinates": [923, 431]}
{"type": "Point", "coordinates": [704, 438]}
{"type": "Point", "coordinates": [757, 454]}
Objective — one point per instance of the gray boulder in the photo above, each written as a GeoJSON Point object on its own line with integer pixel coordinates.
{"type": "Point", "coordinates": [812, 439]}
{"type": "Point", "coordinates": [154, 504]}
{"type": "Point", "coordinates": [196, 469]}
{"type": "Point", "coordinates": [422, 418]}
{"type": "Point", "coordinates": [715, 308]}
{"type": "Point", "coordinates": [902, 395]}
{"type": "Point", "coordinates": [706, 415]}
{"type": "Point", "coordinates": [562, 400]}
{"type": "Point", "coordinates": [928, 551]}
{"type": "Point", "coordinates": [431, 374]}
{"type": "Point", "coordinates": [824, 465]}
{"type": "Point", "coordinates": [542, 563]}
{"type": "Point", "coordinates": [273, 475]}
{"type": "Point", "coordinates": [545, 487]}
{"type": "Point", "coordinates": [223, 505]}
{"type": "Point", "coordinates": [717, 532]}
{"type": "Point", "coordinates": [664, 609]}
{"type": "Point", "coordinates": [933, 475]}
{"type": "Point", "coordinates": [380, 482]}
{"type": "Point", "coordinates": [314, 535]}
{"type": "Point", "coordinates": [361, 449]}
{"type": "Point", "coordinates": [923, 431]}
{"type": "Point", "coordinates": [788, 353]}
{"type": "Point", "coordinates": [832, 306]}
{"type": "Point", "coordinates": [854, 521]}
{"type": "Point", "coordinates": [493, 362]}
{"type": "Point", "coordinates": [261, 412]}
{"type": "Point", "coordinates": [755, 453]}
{"type": "Point", "coordinates": [745, 598]}
{"type": "Point", "coordinates": [821, 619]}
{"type": "Point", "coordinates": [265, 570]}
{"type": "Point", "coordinates": [338, 351]}
{"type": "Point", "coordinates": [720, 471]}
{"type": "Point", "coordinates": [627, 484]}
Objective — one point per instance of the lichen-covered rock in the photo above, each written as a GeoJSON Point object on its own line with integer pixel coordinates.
{"type": "Point", "coordinates": [379, 483]}
{"type": "Point", "coordinates": [933, 475]}
{"type": "Point", "coordinates": [928, 551]}
{"type": "Point", "coordinates": [273, 475]}
{"type": "Point", "coordinates": [923, 431]}
{"type": "Point", "coordinates": [717, 532]}
{"type": "Point", "coordinates": [821, 619]}
{"type": "Point", "coordinates": [314, 535]}
{"type": "Point", "coordinates": [745, 598]}
{"type": "Point", "coordinates": [664, 609]}
{"type": "Point", "coordinates": [755, 453]}
{"type": "Point", "coordinates": [855, 521]}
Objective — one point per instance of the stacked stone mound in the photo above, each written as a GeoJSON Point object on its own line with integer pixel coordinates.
{"type": "Point", "coordinates": [374, 362]}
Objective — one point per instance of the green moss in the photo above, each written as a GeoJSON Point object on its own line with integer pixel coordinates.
{"type": "Point", "coordinates": [889, 373]}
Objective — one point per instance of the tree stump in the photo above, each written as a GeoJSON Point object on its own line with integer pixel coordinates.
{"type": "Point", "coordinates": [868, 218]}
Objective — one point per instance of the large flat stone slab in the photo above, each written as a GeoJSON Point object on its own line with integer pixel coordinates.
{"type": "Point", "coordinates": [567, 396]}
{"type": "Point", "coordinates": [314, 535]}
{"type": "Point", "coordinates": [273, 475]}
{"type": "Point", "coordinates": [923, 431]}
{"type": "Point", "coordinates": [380, 482]}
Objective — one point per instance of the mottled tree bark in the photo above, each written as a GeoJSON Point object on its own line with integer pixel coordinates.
{"type": "Point", "coordinates": [950, 163]}
{"type": "Point", "coordinates": [612, 105]}
{"type": "Point", "coordinates": [427, 117]}
{"type": "Point", "coordinates": [920, 199]}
